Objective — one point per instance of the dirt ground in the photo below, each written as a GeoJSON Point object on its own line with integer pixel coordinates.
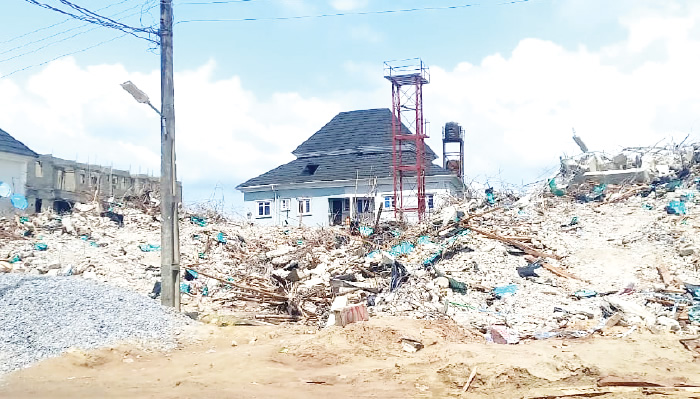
{"type": "Point", "coordinates": [362, 360]}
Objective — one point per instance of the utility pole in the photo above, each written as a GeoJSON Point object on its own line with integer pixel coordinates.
{"type": "Point", "coordinates": [169, 239]}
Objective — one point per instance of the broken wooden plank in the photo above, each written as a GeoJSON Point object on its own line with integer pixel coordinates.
{"type": "Point", "coordinates": [665, 275]}
{"type": "Point", "coordinates": [525, 248]}
{"type": "Point", "coordinates": [639, 382]}
{"type": "Point", "coordinates": [469, 380]}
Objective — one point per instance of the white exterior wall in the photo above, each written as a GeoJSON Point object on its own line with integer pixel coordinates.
{"type": "Point", "coordinates": [320, 195]}
{"type": "Point", "coordinates": [13, 171]}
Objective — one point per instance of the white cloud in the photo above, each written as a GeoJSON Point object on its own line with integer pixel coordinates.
{"type": "Point", "coordinates": [518, 107]}
{"type": "Point", "coordinates": [348, 5]}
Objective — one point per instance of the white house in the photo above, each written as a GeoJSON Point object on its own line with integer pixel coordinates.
{"type": "Point", "coordinates": [343, 170]}
{"type": "Point", "coordinates": [15, 159]}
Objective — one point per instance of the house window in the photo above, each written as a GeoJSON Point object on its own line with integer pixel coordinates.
{"type": "Point", "coordinates": [363, 205]}
{"type": "Point", "coordinates": [429, 201]}
{"type": "Point", "coordinates": [285, 204]}
{"type": "Point", "coordinates": [93, 179]}
{"type": "Point", "coordinates": [304, 206]}
{"type": "Point", "coordinates": [82, 178]}
{"type": "Point", "coordinates": [389, 202]}
{"type": "Point", "coordinates": [263, 209]}
{"type": "Point", "coordinates": [38, 171]}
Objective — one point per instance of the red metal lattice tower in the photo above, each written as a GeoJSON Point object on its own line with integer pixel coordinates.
{"type": "Point", "coordinates": [408, 133]}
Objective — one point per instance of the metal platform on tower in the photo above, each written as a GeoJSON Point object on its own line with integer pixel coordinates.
{"type": "Point", "coordinates": [407, 78]}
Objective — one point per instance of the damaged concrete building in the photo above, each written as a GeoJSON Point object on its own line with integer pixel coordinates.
{"type": "Point", "coordinates": [55, 183]}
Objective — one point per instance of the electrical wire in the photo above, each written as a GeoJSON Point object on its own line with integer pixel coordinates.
{"type": "Point", "coordinates": [64, 55]}
{"type": "Point", "coordinates": [92, 17]}
{"type": "Point", "coordinates": [341, 14]}
{"type": "Point", "coordinates": [70, 30]}
{"type": "Point", "coordinates": [56, 24]}
{"type": "Point", "coordinates": [63, 39]}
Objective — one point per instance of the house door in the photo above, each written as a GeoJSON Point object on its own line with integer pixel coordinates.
{"type": "Point", "coordinates": [336, 211]}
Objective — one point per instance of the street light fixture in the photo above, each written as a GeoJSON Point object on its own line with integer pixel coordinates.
{"type": "Point", "coordinates": [138, 95]}
{"type": "Point", "coordinates": [169, 231]}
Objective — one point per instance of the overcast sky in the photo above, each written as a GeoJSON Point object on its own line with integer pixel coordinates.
{"type": "Point", "coordinates": [516, 75]}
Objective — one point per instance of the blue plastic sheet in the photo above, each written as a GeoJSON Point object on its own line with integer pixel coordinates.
{"type": "Point", "coordinates": [366, 231]}
{"type": "Point", "coordinates": [694, 314]}
{"type": "Point", "coordinates": [221, 237]}
{"type": "Point", "coordinates": [149, 247]}
{"type": "Point", "coordinates": [402, 248]}
{"type": "Point", "coordinates": [505, 290]}
{"type": "Point", "coordinates": [19, 201]}
{"type": "Point", "coordinates": [422, 240]}
{"type": "Point", "coordinates": [676, 208]}
{"type": "Point", "coordinates": [40, 246]}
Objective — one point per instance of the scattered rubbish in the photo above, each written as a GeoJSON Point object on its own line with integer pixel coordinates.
{"type": "Point", "coordinates": [574, 221]}
{"type": "Point", "coordinates": [40, 246]}
{"type": "Point", "coordinates": [489, 196]}
{"type": "Point", "coordinates": [199, 221]}
{"type": "Point", "coordinates": [345, 314]}
{"type": "Point", "coordinates": [5, 190]}
{"type": "Point", "coordinates": [155, 293]}
{"type": "Point", "coordinates": [398, 276]}
{"type": "Point", "coordinates": [185, 288]}
{"type": "Point", "coordinates": [529, 270]}
{"type": "Point", "coordinates": [402, 248]}
{"type": "Point", "coordinates": [693, 290]}
{"type": "Point", "coordinates": [648, 206]}
{"type": "Point", "coordinates": [502, 335]}
{"type": "Point", "coordinates": [469, 380]}
{"type": "Point", "coordinates": [676, 208]}
{"type": "Point", "coordinates": [555, 190]}
{"type": "Point", "coordinates": [411, 345]}
{"type": "Point", "coordinates": [505, 290]}
{"type": "Point", "coordinates": [585, 293]}
{"type": "Point", "coordinates": [366, 231]}
{"type": "Point", "coordinates": [15, 259]}
{"type": "Point", "coordinates": [694, 314]}
{"type": "Point", "coordinates": [221, 237]}
{"type": "Point", "coordinates": [149, 247]}
{"type": "Point", "coordinates": [19, 201]}
{"type": "Point", "coordinates": [190, 274]}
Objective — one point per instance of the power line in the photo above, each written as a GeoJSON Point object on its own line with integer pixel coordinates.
{"type": "Point", "coordinates": [343, 13]}
{"type": "Point", "coordinates": [56, 24]}
{"type": "Point", "coordinates": [68, 30]}
{"type": "Point", "coordinates": [64, 55]}
{"type": "Point", "coordinates": [212, 2]}
{"type": "Point", "coordinates": [92, 17]}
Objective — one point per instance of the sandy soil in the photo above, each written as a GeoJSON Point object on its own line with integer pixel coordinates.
{"type": "Point", "coordinates": [362, 360]}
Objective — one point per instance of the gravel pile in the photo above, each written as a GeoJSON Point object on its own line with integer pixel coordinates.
{"type": "Point", "coordinates": [41, 317]}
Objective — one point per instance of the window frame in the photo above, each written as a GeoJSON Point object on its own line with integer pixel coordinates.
{"type": "Point", "coordinates": [430, 201]}
{"type": "Point", "coordinates": [389, 199]}
{"type": "Point", "coordinates": [285, 204]}
{"type": "Point", "coordinates": [300, 202]}
{"type": "Point", "coordinates": [259, 209]}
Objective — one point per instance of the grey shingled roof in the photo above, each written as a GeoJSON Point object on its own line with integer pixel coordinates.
{"type": "Point", "coordinates": [366, 130]}
{"type": "Point", "coordinates": [335, 167]}
{"type": "Point", "coordinates": [14, 146]}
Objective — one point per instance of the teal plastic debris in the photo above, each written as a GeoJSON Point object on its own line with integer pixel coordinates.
{"type": "Point", "coordinates": [40, 246]}
{"type": "Point", "coordinates": [574, 221]}
{"type": "Point", "coordinates": [432, 258]}
{"type": "Point", "coordinates": [422, 240]}
{"type": "Point", "coordinates": [457, 286]}
{"type": "Point", "coordinates": [202, 255]}
{"type": "Point", "coordinates": [505, 290]}
{"type": "Point", "coordinates": [585, 293]}
{"type": "Point", "coordinates": [300, 242]}
{"type": "Point", "coordinates": [199, 221]}
{"type": "Point", "coordinates": [461, 305]}
{"type": "Point", "coordinates": [396, 233]}
{"type": "Point", "coordinates": [647, 206]}
{"type": "Point", "coordinates": [221, 237]}
{"type": "Point", "coordinates": [15, 259]}
{"type": "Point", "coordinates": [673, 185]}
{"type": "Point", "coordinates": [84, 237]}
{"type": "Point", "coordinates": [196, 237]}
{"type": "Point", "coordinates": [555, 190]}
{"type": "Point", "coordinates": [94, 244]}
{"type": "Point", "coordinates": [676, 208]}
{"type": "Point", "coordinates": [366, 231]}
{"type": "Point", "coordinates": [694, 314]}
{"type": "Point", "coordinates": [205, 291]}
{"type": "Point", "coordinates": [185, 288]}
{"type": "Point", "coordinates": [149, 247]}
{"type": "Point", "coordinates": [402, 248]}
{"type": "Point", "coordinates": [489, 196]}
{"type": "Point", "coordinates": [23, 219]}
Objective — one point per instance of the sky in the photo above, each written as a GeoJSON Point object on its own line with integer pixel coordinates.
{"type": "Point", "coordinates": [251, 83]}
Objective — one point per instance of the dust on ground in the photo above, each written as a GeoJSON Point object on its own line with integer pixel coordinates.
{"type": "Point", "coordinates": [361, 360]}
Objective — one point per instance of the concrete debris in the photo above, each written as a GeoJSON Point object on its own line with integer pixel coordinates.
{"type": "Point", "coordinates": [607, 255]}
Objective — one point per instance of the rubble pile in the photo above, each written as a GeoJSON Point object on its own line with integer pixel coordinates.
{"type": "Point", "coordinates": [607, 244]}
